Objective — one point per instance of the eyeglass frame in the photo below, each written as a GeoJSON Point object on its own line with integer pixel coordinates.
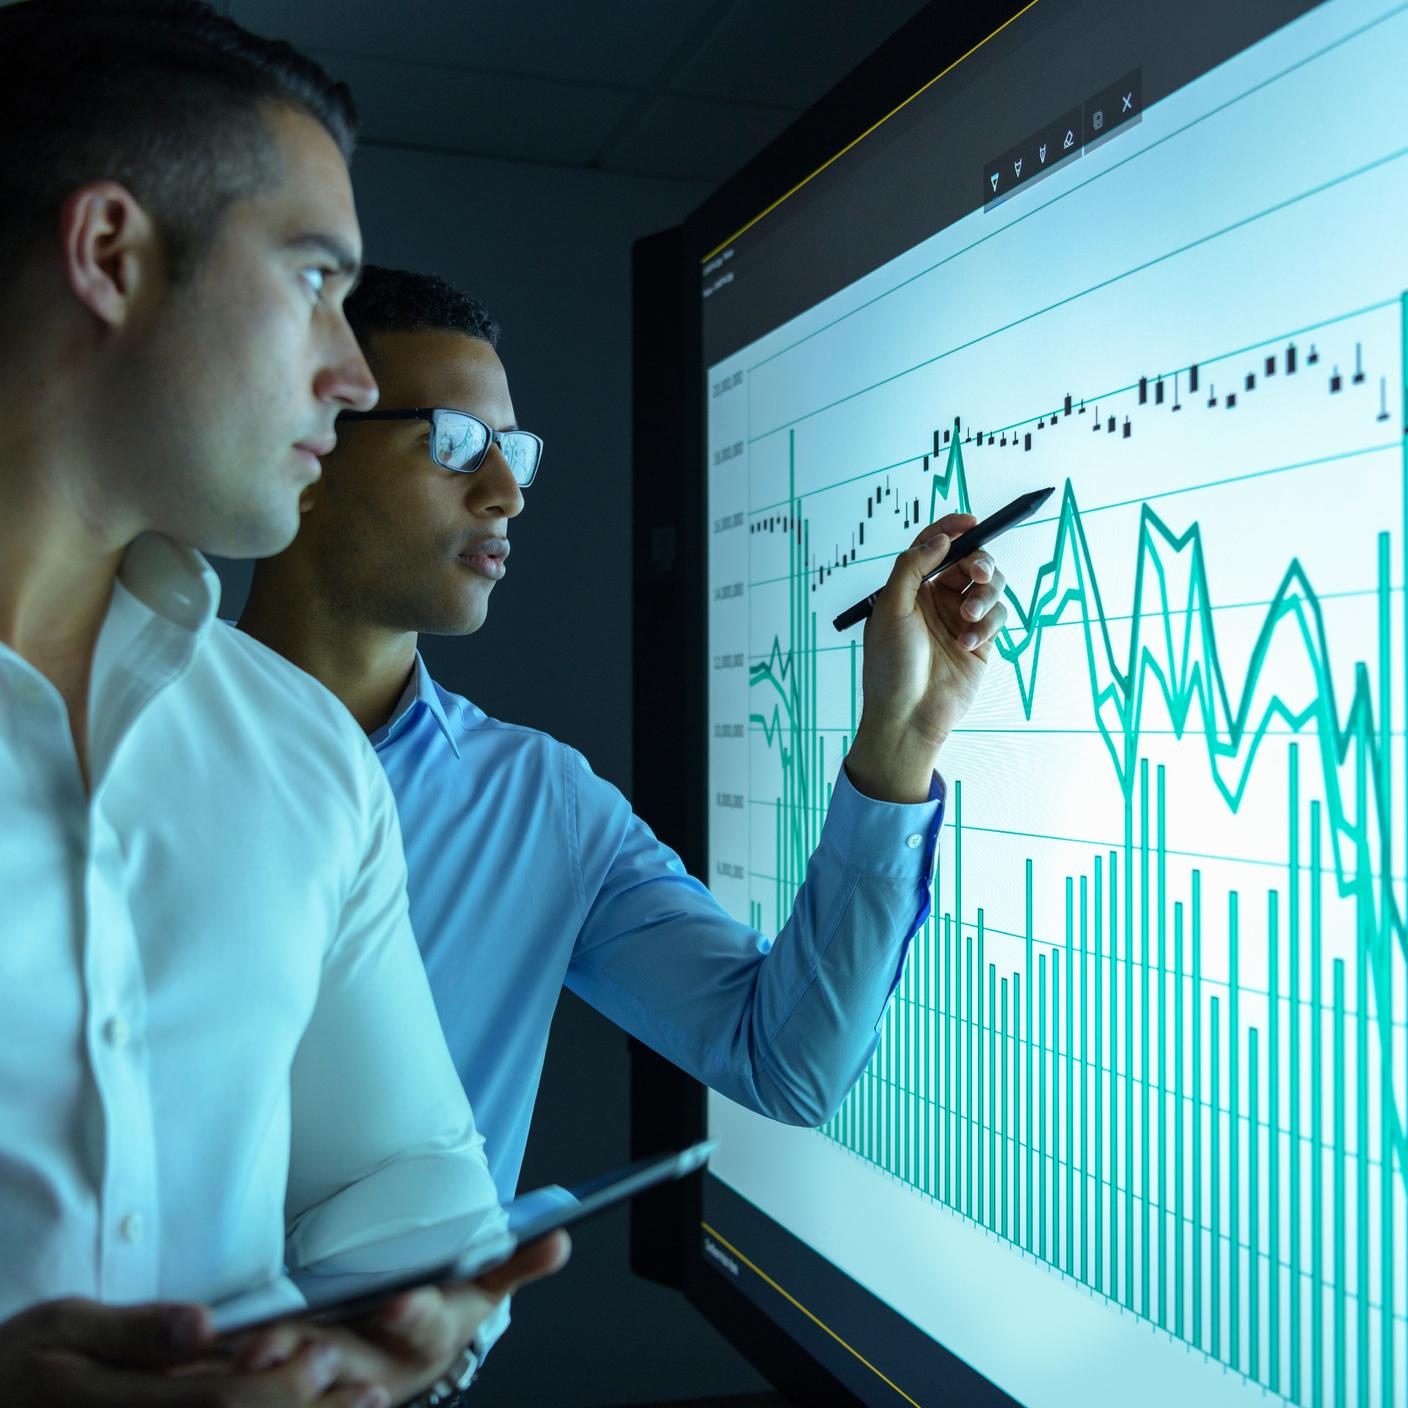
{"type": "Point", "coordinates": [428, 413]}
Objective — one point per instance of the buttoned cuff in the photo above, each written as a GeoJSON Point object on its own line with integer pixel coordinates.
{"type": "Point", "coordinates": [492, 1329]}
{"type": "Point", "coordinates": [883, 838]}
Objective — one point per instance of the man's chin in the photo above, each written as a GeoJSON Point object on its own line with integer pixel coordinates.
{"type": "Point", "coordinates": [463, 619]}
{"type": "Point", "coordinates": [266, 537]}
{"type": "Point", "coordinates": [248, 532]}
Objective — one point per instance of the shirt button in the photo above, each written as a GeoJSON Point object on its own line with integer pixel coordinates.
{"type": "Point", "coordinates": [116, 1032]}
{"type": "Point", "coordinates": [914, 841]}
{"type": "Point", "coordinates": [131, 1227]}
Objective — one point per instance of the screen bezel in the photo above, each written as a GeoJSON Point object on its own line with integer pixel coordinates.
{"type": "Point", "coordinates": [668, 1107]}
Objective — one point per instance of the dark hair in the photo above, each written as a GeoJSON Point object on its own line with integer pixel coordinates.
{"type": "Point", "coordinates": [396, 300]}
{"type": "Point", "coordinates": [163, 96]}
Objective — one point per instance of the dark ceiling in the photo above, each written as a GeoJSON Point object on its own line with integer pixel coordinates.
{"type": "Point", "coordinates": [678, 89]}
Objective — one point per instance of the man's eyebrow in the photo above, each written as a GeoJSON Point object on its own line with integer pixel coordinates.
{"type": "Point", "coordinates": [337, 250]}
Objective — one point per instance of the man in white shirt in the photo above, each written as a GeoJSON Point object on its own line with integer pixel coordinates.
{"type": "Point", "coordinates": [219, 1059]}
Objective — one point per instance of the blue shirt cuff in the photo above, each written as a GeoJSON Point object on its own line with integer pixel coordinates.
{"type": "Point", "coordinates": [883, 838]}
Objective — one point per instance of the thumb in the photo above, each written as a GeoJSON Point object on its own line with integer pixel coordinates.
{"type": "Point", "coordinates": [907, 575]}
{"type": "Point", "coordinates": [530, 1262]}
{"type": "Point", "coordinates": [133, 1336]}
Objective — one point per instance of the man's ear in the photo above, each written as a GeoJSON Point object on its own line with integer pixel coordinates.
{"type": "Point", "coordinates": [110, 245]}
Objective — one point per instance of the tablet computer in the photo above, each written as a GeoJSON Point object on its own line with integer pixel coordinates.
{"type": "Point", "coordinates": [530, 1217]}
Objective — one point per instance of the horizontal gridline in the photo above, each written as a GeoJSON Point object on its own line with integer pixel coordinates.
{"type": "Point", "coordinates": [970, 1122]}
{"type": "Point", "coordinates": [1109, 960]}
{"type": "Point", "coordinates": [1390, 446]}
{"type": "Point", "coordinates": [1171, 612]}
{"type": "Point", "coordinates": [1105, 396]}
{"type": "Point", "coordinates": [1050, 1048]}
{"type": "Point", "coordinates": [1142, 267]}
{"type": "Point", "coordinates": [1189, 732]}
{"type": "Point", "coordinates": [1101, 846]}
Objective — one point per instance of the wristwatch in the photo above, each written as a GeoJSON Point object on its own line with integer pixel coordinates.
{"type": "Point", "coordinates": [452, 1382]}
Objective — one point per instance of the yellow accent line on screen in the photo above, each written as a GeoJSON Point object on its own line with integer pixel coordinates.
{"type": "Point", "coordinates": [786, 1295]}
{"type": "Point", "coordinates": [787, 195]}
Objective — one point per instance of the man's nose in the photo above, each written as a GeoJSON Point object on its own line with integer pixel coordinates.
{"type": "Point", "coordinates": [347, 380]}
{"type": "Point", "coordinates": [493, 486]}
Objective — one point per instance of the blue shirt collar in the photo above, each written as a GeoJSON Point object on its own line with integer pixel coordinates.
{"type": "Point", "coordinates": [420, 689]}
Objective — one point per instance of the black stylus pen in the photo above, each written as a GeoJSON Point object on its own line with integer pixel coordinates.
{"type": "Point", "coordinates": [978, 536]}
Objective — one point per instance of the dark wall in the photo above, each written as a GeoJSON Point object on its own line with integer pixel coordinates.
{"type": "Point", "coordinates": [549, 251]}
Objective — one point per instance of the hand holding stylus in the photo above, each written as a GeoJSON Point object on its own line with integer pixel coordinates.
{"type": "Point", "coordinates": [926, 645]}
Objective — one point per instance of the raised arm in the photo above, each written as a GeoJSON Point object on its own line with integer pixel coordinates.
{"type": "Point", "coordinates": [785, 1026]}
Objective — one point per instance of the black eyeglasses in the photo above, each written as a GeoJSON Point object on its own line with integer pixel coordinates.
{"type": "Point", "coordinates": [462, 442]}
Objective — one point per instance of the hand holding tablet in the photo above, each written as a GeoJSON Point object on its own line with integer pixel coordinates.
{"type": "Point", "coordinates": [397, 1328]}
{"type": "Point", "coordinates": [531, 1217]}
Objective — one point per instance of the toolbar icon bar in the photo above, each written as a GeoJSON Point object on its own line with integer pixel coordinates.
{"type": "Point", "coordinates": [1064, 140]}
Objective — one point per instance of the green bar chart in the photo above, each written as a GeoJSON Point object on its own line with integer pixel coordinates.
{"type": "Point", "coordinates": [1114, 1103]}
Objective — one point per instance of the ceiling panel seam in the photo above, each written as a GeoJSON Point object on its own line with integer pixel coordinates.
{"type": "Point", "coordinates": [701, 33]}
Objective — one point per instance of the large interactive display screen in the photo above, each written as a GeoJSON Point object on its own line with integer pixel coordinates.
{"type": "Point", "coordinates": [1137, 1127]}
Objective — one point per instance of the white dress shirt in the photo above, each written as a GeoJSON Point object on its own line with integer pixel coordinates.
{"type": "Point", "coordinates": [218, 1050]}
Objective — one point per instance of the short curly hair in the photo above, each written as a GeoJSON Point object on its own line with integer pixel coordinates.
{"type": "Point", "coordinates": [163, 96]}
{"type": "Point", "coordinates": [397, 300]}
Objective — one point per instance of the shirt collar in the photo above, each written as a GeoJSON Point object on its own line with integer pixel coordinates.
{"type": "Point", "coordinates": [420, 689]}
{"type": "Point", "coordinates": [174, 582]}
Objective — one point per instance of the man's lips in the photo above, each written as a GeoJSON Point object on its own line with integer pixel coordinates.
{"type": "Point", "coordinates": [313, 450]}
{"type": "Point", "coordinates": [487, 557]}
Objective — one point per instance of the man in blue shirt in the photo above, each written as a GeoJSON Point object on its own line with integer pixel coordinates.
{"type": "Point", "coordinates": [527, 871]}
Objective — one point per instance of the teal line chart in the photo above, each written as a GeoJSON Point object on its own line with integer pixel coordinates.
{"type": "Point", "coordinates": [1227, 1161]}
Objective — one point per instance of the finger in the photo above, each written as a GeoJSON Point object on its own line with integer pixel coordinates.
{"type": "Point", "coordinates": [900, 591]}
{"type": "Point", "coordinates": [137, 1336]}
{"type": "Point", "coordinates": [304, 1380]}
{"type": "Point", "coordinates": [988, 628]}
{"type": "Point", "coordinates": [307, 1376]}
{"type": "Point", "coordinates": [424, 1324]}
{"type": "Point", "coordinates": [951, 523]}
{"type": "Point", "coordinates": [978, 566]}
{"type": "Point", "coordinates": [433, 1321]}
{"type": "Point", "coordinates": [359, 1395]}
{"type": "Point", "coordinates": [275, 1345]}
{"type": "Point", "coordinates": [408, 1306]}
{"type": "Point", "coordinates": [529, 1263]}
{"type": "Point", "coordinates": [978, 600]}
{"type": "Point", "coordinates": [971, 635]}
{"type": "Point", "coordinates": [960, 575]}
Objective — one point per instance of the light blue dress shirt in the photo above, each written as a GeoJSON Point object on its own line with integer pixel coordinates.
{"type": "Point", "coordinates": [527, 871]}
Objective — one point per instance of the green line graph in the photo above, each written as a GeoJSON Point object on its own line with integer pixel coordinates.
{"type": "Point", "coordinates": [1117, 1098]}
